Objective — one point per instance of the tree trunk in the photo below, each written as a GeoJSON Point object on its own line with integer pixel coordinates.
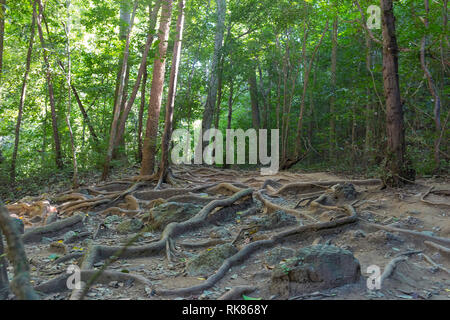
{"type": "Point", "coordinates": [22, 100]}
{"type": "Point", "coordinates": [4, 281]}
{"type": "Point", "coordinates": [149, 147]}
{"type": "Point", "coordinates": [142, 69]}
{"type": "Point", "coordinates": [433, 91]}
{"type": "Point", "coordinates": [171, 95]}
{"type": "Point", "coordinates": [254, 99]}
{"type": "Point", "coordinates": [395, 153]}
{"type": "Point", "coordinates": [114, 125]}
{"type": "Point", "coordinates": [302, 106]}
{"type": "Point", "coordinates": [141, 115]}
{"type": "Point", "coordinates": [333, 91]}
{"type": "Point", "coordinates": [69, 102]}
{"type": "Point", "coordinates": [367, 142]}
{"type": "Point", "coordinates": [2, 34]}
{"type": "Point", "coordinates": [214, 77]}
{"type": "Point", "coordinates": [58, 156]}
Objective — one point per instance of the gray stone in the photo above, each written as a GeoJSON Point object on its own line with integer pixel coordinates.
{"type": "Point", "coordinates": [277, 219]}
{"type": "Point", "coordinates": [69, 235]}
{"type": "Point", "coordinates": [210, 260]}
{"type": "Point", "coordinates": [276, 255]}
{"type": "Point", "coordinates": [159, 217]}
{"type": "Point", "coordinates": [112, 219]}
{"type": "Point", "coordinates": [130, 226]}
{"type": "Point", "coordinates": [46, 240]}
{"type": "Point", "coordinates": [315, 268]}
{"type": "Point", "coordinates": [219, 233]}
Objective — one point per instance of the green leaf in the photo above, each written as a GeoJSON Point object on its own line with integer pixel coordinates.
{"type": "Point", "coordinates": [250, 298]}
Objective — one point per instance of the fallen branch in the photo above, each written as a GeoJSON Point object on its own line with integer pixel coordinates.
{"type": "Point", "coordinates": [434, 264]}
{"type": "Point", "coordinates": [390, 268]}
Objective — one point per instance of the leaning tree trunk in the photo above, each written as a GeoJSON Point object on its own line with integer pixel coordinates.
{"type": "Point", "coordinates": [22, 101]}
{"type": "Point", "coordinates": [171, 95]}
{"type": "Point", "coordinates": [149, 147]}
{"type": "Point", "coordinates": [396, 164]}
{"type": "Point", "coordinates": [58, 156]}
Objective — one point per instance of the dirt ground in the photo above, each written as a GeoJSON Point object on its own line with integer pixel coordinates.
{"type": "Point", "coordinates": [406, 208]}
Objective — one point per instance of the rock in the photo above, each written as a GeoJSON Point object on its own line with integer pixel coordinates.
{"type": "Point", "coordinates": [219, 233]}
{"type": "Point", "coordinates": [345, 191]}
{"type": "Point", "coordinates": [159, 217]}
{"type": "Point", "coordinates": [209, 260]}
{"type": "Point", "coordinates": [58, 247]}
{"type": "Point", "coordinates": [112, 219]}
{"type": "Point", "coordinates": [130, 226]}
{"type": "Point", "coordinates": [46, 240]}
{"type": "Point", "coordinates": [69, 235]}
{"type": "Point", "coordinates": [315, 268]}
{"type": "Point", "coordinates": [234, 276]}
{"type": "Point", "coordinates": [277, 219]}
{"type": "Point", "coordinates": [383, 237]}
{"type": "Point", "coordinates": [274, 256]}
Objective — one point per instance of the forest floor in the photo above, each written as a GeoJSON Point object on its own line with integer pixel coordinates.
{"type": "Point", "coordinates": [156, 265]}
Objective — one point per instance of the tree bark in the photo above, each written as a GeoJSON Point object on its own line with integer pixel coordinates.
{"type": "Point", "coordinates": [302, 106]}
{"type": "Point", "coordinates": [214, 77]}
{"type": "Point", "coordinates": [395, 152]}
{"type": "Point", "coordinates": [114, 125]}
{"type": "Point", "coordinates": [22, 100]}
{"type": "Point", "coordinates": [149, 147]}
{"type": "Point", "coordinates": [171, 95]}
{"type": "Point", "coordinates": [254, 99]}
{"type": "Point", "coordinates": [2, 34]}
{"type": "Point", "coordinates": [433, 91]}
{"type": "Point", "coordinates": [142, 68]}
{"type": "Point", "coordinates": [333, 90]}
{"type": "Point", "coordinates": [58, 156]}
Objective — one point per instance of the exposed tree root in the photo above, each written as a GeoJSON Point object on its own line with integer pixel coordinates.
{"type": "Point", "coordinates": [67, 257]}
{"type": "Point", "coordinates": [224, 186]}
{"type": "Point", "coordinates": [172, 230]}
{"type": "Point", "coordinates": [438, 247]}
{"type": "Point", "coordinates": [237, 292]}
{"type": "Point", "coordinates": [191, 199]}
{"type": "Point", "coordinates": [117, 210]}
{"type": "Point", "coordinates": [59, 284]}
{"type": "Point", "coordinates": [390, 268]}
{"type": "Point", "coordinates": [202, 244]}
{"type": "Point", "coordinates": [253, 247]}
{"type": "Point", "coordinates": [416, 234]}
{"type": "Point", "coordinates": [434, 264]}
{"type": "Point", "coordinates": [302, 186]}
{"type": "Point", "coordinates": [271, 207]}
{"type": "Point", "coordinates": [53, 229]}
{"type": "Point", "coordinates": [443, 204]}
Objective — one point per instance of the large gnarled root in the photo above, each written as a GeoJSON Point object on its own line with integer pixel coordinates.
{"type": "Point", "coordinates": [253, 247]}
{"type": "Point", "coordinates": [172, 230]}
{"type": "Point", "coordinates": [53, 229]}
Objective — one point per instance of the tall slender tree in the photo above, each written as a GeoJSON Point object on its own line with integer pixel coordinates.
{"type": "Point", "coordinates": [164, 166]}
{"type": "Point", "coordinates": [154, 108]}
{"type": "Point", "coordinates": [12, 174]}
